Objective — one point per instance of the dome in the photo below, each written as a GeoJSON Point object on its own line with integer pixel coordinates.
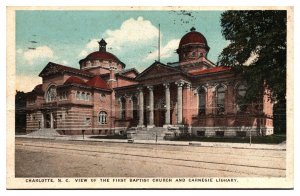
{"type": "Point", "coordinates": [74, 80]}
{"type": "Point", "coordinates": [192, 37]}
{"type": "Point", "coordinates": [102, 55]}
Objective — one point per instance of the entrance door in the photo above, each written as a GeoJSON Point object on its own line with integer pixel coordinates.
{"type": "Point", "coordinates": [47, 120]}
{"type": "Point", "coordinates": [161, 117]}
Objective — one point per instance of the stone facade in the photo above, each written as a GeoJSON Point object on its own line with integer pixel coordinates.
{"type": "Point", "coordinates": [103, 98]}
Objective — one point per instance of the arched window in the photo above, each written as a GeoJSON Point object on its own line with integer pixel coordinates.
{"type": "Point", "coordinates": [202, 101]}
{"type": "Point", "coordinates": [102, 97]}
{"type": "Point", "coordinates": [88, 96]}
{"type": "Point", "coordinates": [102, 118]}
{"type": "Point", "coordinates": [82, 96]}
{"type": "Point", "coordinates": [123, 108]}
{"type": "Point", "coordinates": [220, 100]}
{"type": "Point", "coordinates": [51, 94]}
{"type": "Point", "coordinates": [240, 94]}
{"type": "Point", "coordinates": [77, 95]}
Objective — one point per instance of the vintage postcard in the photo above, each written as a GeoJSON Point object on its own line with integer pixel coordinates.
{"type": "Point", "coordinates": [149, 97]}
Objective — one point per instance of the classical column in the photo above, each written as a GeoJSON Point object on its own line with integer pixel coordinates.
{"type": "Point", "coordinates": [179, 102]}
{"type": "Point", "coordinates": [141, 107]}
{"type": "Point", "coordinates": [151, 107]}
{"type": "Point", "coordinates": [187, 113]}
{"type": "Point", "coordinates": [42, 121]}
{"type": "Point", "coordinates": [51, 120]}
{"type": "Point", "coordinates": [167, 94]}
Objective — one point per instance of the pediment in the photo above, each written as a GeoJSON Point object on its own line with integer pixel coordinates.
{"type": "Point", "coordinates": [50, 69]}
{"type": "Point", "coordinates": [157, 69]}
{"type": "Point", "coordinates": [55, 69]}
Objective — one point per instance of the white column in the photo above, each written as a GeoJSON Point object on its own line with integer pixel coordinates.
{"type": "Point", "coordinates": [42, 121]}
{"type": "Point", "coordinates": [179, 102]}
{"type": "Point", "coordinates": [151, 107]}
{"type": "Point", "coordinates": [141, 107]}
{"type": "Point", "coordinates": [51, 120]}
{"type": "Point", "coordinates": [167, 94]}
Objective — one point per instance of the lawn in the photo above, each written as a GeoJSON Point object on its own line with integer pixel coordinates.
{"type": "Point", "coordinates": [271, 139]}
{"type": "Point", "coordinates": [109, 137]}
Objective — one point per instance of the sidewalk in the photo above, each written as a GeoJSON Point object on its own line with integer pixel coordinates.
{"type": "Point", "coordinates": [281, 146]}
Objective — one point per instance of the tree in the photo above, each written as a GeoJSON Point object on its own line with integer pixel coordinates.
{"type": "Point", "coordinates": [20, 113]}
{"type": "Point", "coordinates": [257, 51]}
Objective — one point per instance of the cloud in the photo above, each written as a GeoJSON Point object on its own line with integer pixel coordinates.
{"type": "Point", "coordinates": [26, 83]}
{"type": "Point", "coordinates": [166, 51]}
{"type": "Point", "coordinates": [41, 52]}
{"type": "Point", "coordinates": [132, 31]}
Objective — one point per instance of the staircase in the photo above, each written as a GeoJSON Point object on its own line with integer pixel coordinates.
{"type": "Point", "coordinates": [45, 133]}
{"type": "Point", "coordinates": [149, 133]}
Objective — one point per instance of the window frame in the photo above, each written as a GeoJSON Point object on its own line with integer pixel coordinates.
{"type": "Point", "coordinates": [220, 103]}
{"type": "Point", "coordinates": [102, 117]}
{"type": "Point", "coordinates": [201, 108]}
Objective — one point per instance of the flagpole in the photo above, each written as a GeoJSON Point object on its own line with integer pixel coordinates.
{"type": "Point", "coordinates": [158, 42]}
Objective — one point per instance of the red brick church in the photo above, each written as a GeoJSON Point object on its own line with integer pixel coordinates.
{"type": "Point", "coordinates": [102, 97]}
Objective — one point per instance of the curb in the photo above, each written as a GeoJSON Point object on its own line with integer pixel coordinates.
{"type": "Point", "coordinates": [130, 141]}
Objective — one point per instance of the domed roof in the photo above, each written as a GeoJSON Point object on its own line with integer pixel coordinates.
{"type": "Point", "coordinates": [74, 80]}
{"type": "Point", "coordinates": [193, 37]}
{"type": "Point", "coordinates": [102, 55]}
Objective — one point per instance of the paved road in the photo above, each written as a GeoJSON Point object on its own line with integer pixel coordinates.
{"type": "Point", "coordinates": [55, 158]}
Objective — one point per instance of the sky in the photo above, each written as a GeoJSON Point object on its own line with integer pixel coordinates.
{"type": "Point", "coordinates": [65, 37]}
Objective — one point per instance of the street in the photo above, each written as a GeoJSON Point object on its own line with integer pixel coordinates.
{"type": "Point", "coordinates": [58, 158]}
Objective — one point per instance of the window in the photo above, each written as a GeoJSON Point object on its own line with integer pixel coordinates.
{"type": "Point", "coordinates": [51, 94]}
{"type": "Point", "coordinates": [220, 100]}
{"type": "Point", "coordinates": [102, 119]}
{"type": "Point", "coordinates": [123, 108]}
{"type": "Point", "coordinates": [82, 96]}
{"type": "Point", "coordinates": [88, 96]}
{"type": "Point", "coordinates": [202, 101]}
{"type": "Point", "coordinates": [102, 97]}
{"type": "Point", "coordinates": [240, 94]}
{"type": "Point", "coordinates": [63, 95]}
{"type": "Point", "coordinates": [88, 121]}
{"type": "Point", "coordinates": [78, 95]}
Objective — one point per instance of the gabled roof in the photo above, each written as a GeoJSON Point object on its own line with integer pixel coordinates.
{"type": "Point", "coordinates": [53, 68]}
{"type": "Point", "coordinates": [124, 72]}
{"type": "Point", "coordinates": [158, 67]}
{"type": "Point", "coordinates": [210, 70]}
{"type": "Point", "coordinates": [98, 82]}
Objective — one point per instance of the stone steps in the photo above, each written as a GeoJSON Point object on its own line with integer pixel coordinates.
{"type": "Point", "coordinates": [44, 132]}
{"type": "Point", "coordinates": [149, 133]}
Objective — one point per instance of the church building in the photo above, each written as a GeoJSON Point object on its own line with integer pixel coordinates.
{"type": "Point", "coordinates": [102, 97]}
